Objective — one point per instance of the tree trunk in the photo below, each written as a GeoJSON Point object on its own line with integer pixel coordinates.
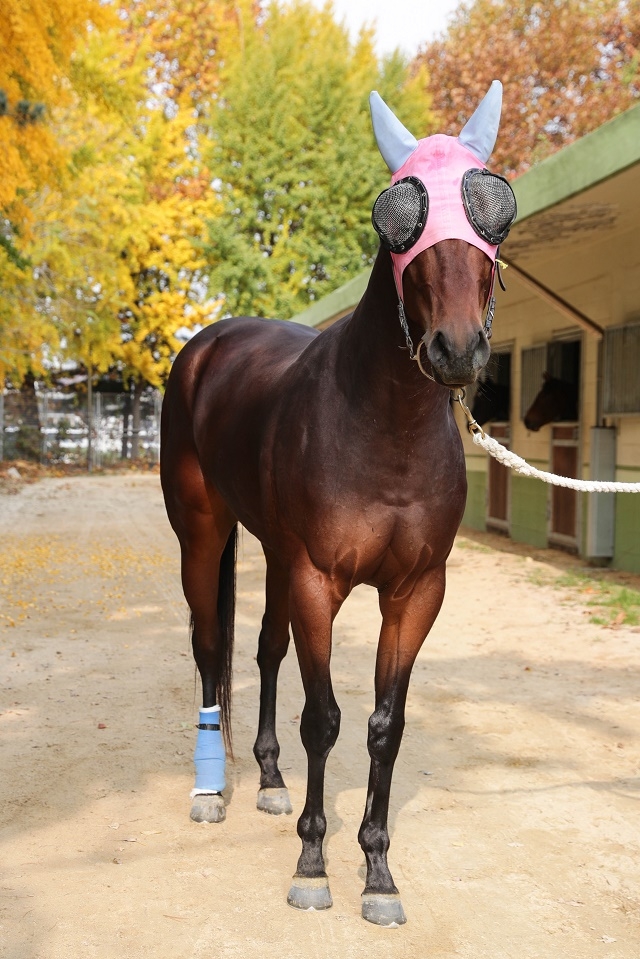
{"type": "Point", "coordinates": [126, 424]}
{"type": "Point", "coordinates": [1, 421]}
{"type": "Point", "coordinates": [29, 439]}
{"type": "Point", "coordinates": [89, 418]}
{"type": "Point", "coordinates": [136, 419]}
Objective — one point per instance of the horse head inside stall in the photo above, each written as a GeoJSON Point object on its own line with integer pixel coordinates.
{"type": "Point", "coordinates": [344, 458]}
{"type": "Point", "coordinates": [556, 401]}
{"type": "Point", "coordinates": [491, 402]}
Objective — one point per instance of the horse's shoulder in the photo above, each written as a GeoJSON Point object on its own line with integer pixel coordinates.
{"type": "Point", "coordinates": [243, 339]}
{"type": "Point", "coordinates": [251, 329]}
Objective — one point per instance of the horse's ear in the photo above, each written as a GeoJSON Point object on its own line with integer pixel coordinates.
{"type": "Point", "coordinates": [546, 376]}
{"type": "Point", "coordinates": [479, 133]}
{"type": "Point", "coordinates": [394, 141]}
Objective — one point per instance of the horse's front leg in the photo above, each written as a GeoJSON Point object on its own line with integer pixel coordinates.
{"type": "Point", "coordinates": [273, 796]}
{"type": "Point", "coordinates": [406, 620]}
{"type": "Point", "coordinates": [313, 605]}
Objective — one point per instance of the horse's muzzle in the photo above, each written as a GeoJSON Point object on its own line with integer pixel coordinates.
{"type": "Point", "coordinates": [531, 425]}
{"type": "Point", "coordinates": [456, 364]}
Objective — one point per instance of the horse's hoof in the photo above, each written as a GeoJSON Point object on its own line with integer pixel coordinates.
{"type": "Point", "coordinates": [275, 801]}
{"type": "Point", "coordinates": [383, 909]}
{"type": "Point", "coordinates": [310, 893]}
{"type": "Point", "coordinates": [208, 807]}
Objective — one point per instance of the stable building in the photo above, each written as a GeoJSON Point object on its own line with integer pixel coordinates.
{"type": "Point", "coordinates": [571, 313]}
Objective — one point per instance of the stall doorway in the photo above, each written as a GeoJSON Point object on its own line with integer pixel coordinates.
{"type": "Point", "coordinates": [564, 520]}
{"type": "Point", "coordinates": [498, 380]}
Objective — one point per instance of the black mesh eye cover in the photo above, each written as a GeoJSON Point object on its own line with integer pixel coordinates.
{"type": "Point", "coordinates": [489, 203]}
{"type": "Point", "coordinates": [399, 214]}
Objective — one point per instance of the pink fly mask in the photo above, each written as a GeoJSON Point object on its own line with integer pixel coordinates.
{"type": "Point", "coordinates": [440, 187]}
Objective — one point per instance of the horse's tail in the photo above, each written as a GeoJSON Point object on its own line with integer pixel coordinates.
{"type": "Point", "coordinates": [226, 617]}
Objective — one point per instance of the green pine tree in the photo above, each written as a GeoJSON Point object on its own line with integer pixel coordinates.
{"type": "Point", "coordinates": [294, 159]}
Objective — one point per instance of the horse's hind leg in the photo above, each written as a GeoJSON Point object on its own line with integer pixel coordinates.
{"type": "Point", "coordinates": [273, 796]}
{"type": "Point", "coordinates": [208, 575]}
{"type": "Point", "coordinates": [206, 530]}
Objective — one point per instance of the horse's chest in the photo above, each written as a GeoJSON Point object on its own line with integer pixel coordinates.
{"type": "Point", "coordinates": [397, 482]}
{"type": "Point", "coordinates": [373, 532]}
{"type": "Point", "coordinates": [362, 497]}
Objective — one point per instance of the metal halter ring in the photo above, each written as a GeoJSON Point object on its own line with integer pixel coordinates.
{"type": "Point", "coordinates": [416, 357]}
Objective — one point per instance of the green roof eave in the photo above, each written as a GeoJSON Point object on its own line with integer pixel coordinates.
{"type": "Point", "coordinates": [593, 158]}
{"type": "Point", "coordinates": [338, 302]}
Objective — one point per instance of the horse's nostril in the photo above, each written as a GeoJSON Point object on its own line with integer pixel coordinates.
{"type": "Point", "coordinates": [438, 349]}
{"type": "Point", "coordinates": [482, 351]}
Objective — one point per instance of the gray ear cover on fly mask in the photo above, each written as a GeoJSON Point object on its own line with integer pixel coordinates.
{"type": "Point", "coordinates": [394, 141]}
{"type": "Point", "coordinates": [480, 132]}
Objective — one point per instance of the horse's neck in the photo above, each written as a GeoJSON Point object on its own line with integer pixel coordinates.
{"type": "Point", "coordinates": [570, 400]}
{"type": "Point", "coordinates": [565, 397]}
{"type": "Point", "coordinates": [375, 327]}
{"type": "Point", "coordinates": [373, 360]}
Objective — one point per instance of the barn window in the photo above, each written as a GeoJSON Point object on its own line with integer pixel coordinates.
{"type": "Point", "coordinates": [499, 368]}
{"type": "Point", "coordinates": [563, 360]}
{"type": "Point", "coordinates": [534, 364]}
{"type": "Point", "coordinates": [559, 358]}
{"type": "Point", "coordinates": [497, 373]}
{"type": "Point", "coordinates": [621, 363]}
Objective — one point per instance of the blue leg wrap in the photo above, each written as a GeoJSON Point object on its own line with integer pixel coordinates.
{"type": "Point", "coordinates": [209, 756]}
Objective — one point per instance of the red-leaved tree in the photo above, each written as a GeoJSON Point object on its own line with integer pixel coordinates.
{"type": "Point", "coordinates": [567, 67]}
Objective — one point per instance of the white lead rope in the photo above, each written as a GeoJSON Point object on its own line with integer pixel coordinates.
{"type": "Point", "coordinates": [516, 463]}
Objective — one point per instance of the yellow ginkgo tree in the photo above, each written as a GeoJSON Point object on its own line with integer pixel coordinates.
{"type": "Point", "coordinates": [114, 270]}
{"type": "Point", "coordinates": [37, 42]}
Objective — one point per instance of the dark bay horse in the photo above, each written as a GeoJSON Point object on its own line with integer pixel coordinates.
{"type": "Point", "coordinates": [346, 462]}
{"type": "Point", "coordinates": [556, 401]}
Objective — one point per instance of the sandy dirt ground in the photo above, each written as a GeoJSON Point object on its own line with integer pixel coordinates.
{"type": "Point", "coordinates": [515, 813]}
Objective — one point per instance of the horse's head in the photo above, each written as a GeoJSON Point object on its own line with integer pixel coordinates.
{"type": "Point", "coordinates": [442, 219]}
{"type": "Point", "coordinates": [556, 401]}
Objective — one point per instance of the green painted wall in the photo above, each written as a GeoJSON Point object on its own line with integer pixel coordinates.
{"type": "Point", "coordinates": [627, 541]}
{"type": "Point", "coordinates": [529, 499]}
{"type": "Point", "coordinates": [528, 511]}
{"type": "Point", "coordinates": [474, 514]}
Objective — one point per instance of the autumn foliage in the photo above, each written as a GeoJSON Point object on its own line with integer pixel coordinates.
{"type": "Point", "coordinates": [168, 162]}
{"type": "Point", "coordinates": [567, 66]}
{"type": "Point", "coordinates": [37, 41]}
